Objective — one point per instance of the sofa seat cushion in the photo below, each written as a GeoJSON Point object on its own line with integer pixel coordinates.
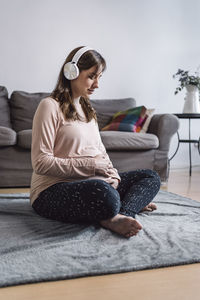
{"type": "Point", "coordinates": [8, 136]}
{"type": "Point", "coordinates": [24, 138]}
{"type": "Point", "coordinates": [118, 140]}
{"type": "Point", "coordinates": [113, 140]}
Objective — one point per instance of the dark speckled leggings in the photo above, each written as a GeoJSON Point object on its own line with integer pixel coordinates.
{"type": "Point", "coordinates": [95, 200]}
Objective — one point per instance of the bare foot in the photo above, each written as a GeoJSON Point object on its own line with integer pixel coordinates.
{"type": "Point", "coordinates": [150, 207]}
{"type": "Point", "coordinates": [126, 226]}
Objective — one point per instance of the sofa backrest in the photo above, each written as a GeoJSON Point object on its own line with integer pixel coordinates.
{"type": "Point", "coordinates": [4, 108]}
{"type": "Point", "coordinates": [22, 108]}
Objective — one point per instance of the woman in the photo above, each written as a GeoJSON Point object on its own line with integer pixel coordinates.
{"type": "Point", "coordinates": [73, 178]}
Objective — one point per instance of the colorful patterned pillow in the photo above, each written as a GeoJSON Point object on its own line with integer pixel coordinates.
{"type": "Point", "coordinates": [132, 119]}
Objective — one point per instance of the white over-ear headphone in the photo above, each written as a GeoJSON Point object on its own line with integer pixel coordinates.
{"type": "Point", "coordinates": [71, 70]}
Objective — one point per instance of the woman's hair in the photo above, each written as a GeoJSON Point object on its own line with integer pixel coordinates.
{"type": "Point", "coordinates": [63, 93]}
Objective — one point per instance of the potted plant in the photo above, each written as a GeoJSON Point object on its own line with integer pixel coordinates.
{"type": "Point", "coordinates": [192, 85]}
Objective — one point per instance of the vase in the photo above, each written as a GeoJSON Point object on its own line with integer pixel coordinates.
{"type": "Point", "coordinates": [191, 104]}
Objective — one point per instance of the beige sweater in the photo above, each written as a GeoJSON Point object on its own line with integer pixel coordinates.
{"type": "Point", "coordinates": [65, 151]}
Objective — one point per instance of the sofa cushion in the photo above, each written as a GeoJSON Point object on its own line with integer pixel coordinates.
{"type": "Point", "coordinates": [149, 114]}
{"type": "Point", "coordinates": [103, 120]}
{"type": "Point", "coordinates": [23, 106]}
{"type": "Point", "coordinates": [24, 138]}
{"type": "Point", "coordinates": [131, 120]}
{"type": "Point", "coordinates": [4, 108]}
{"type": "Point", "coordinates": [106, 108]}
{"type": "Point", "coordinates": [118, 140]}
{"type": "Point", "coordinates": [8, 136]}
{"type": "Point", "coordinates": [112, 140]}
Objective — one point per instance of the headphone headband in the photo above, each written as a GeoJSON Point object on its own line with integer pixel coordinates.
{"type": "Point", "coordinates": [79, 53]}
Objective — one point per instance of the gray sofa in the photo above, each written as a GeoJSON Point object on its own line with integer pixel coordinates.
{"type": "Point", "coordinates": [127, 150]}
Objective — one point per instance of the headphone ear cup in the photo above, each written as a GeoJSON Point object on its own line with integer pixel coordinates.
{"type": "Point", "coordinates": [71, 71]}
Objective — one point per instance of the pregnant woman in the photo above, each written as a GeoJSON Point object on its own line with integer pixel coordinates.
{"type": "Point", "coordinates": [73, 178]}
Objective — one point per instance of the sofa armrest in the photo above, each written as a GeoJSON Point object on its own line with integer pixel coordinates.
{"type": "Point", "coordinates": [8, 137]}
{"type": "Point", "coordinates": [164, 126]}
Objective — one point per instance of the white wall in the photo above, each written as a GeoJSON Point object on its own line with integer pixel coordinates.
{"type": "Point", "coordinates": [143, 41]}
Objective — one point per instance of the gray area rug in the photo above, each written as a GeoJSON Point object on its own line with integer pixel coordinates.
{"type": "Point", "coordinates": [34, 249]}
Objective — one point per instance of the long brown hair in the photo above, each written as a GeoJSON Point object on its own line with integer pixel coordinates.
{"type": "Point", "coordinates": [63, 93]}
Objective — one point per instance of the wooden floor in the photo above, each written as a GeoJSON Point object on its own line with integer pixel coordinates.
{"type": "Point", "coordinates": [173, 283]}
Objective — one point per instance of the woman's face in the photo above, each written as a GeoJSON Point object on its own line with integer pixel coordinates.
{"type": "Point", "coordinates": [86, 83]}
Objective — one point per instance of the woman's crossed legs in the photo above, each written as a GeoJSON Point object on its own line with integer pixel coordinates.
{"type": "Point", "coordinates": [97, 201]}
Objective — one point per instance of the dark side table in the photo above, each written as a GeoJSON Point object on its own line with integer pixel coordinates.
{"type": "Point", "coordinates": [189, 141]}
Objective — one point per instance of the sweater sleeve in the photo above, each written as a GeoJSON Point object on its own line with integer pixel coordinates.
{"type": "Point", "coordinates": [45, 126]}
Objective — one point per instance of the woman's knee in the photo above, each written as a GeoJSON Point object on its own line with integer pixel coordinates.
{"type": "Point", "coordinates": [155, 177]}
{"type": "Point", "coordinates": [151, 176]}
{"type": "Point", "coordinates": [154, 180]}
